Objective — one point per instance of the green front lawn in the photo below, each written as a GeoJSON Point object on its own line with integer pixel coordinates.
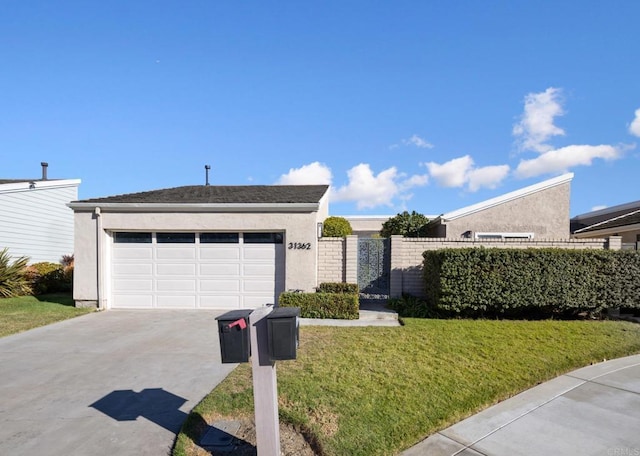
{"type": "Point", "coordinates": [27, 312]}
{"type": "Point", "coordinates": [380, 390]}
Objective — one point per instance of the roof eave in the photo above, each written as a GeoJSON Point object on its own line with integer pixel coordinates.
{"type": "Point", "coordinates": [194, 207]}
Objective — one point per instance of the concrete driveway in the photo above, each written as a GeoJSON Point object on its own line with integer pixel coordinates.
{"type": "Point", "coordinates": [108, 383]}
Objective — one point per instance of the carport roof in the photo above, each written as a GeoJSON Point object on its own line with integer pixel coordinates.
{"type": "Point", "coordinates": [203, 196]}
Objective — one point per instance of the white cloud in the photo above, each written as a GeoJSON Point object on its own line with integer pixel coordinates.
{"type": "Point", "coordinates": [562, 159]}
{"type": "Point", "coordinates": [488, 176]}
{"type": "Point", "coordinates": [313, 173]}
{"type": "Point", "coordinates": [452, 173]}
{"type": "Point", "coordinates": [536, 124]}
{"type": "Point", "coordinates": [598, 208]}
{"type": "Point", "coordinates": [368, 190]}
{"type": "Point", "coordinates": [417, 141]}
{"type": "Point", "coordinates": [462, 171]}
{"type": "Point", "coordinates": [634, 128]}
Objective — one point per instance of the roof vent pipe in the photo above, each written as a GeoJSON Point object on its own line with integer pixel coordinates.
{"type": "Point", "coordinates": [206, 170]}
{"type": "Point", "coordinates": [44, 170]}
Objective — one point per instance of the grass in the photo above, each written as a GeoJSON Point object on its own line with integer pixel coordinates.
{"type": "Point", "coordinates": [27, 312]}
{"type": "Point", "coordinates": [375, 391]}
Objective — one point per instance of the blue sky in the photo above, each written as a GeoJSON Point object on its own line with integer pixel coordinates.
{"type": "Point", "coordinates": [419, 105]}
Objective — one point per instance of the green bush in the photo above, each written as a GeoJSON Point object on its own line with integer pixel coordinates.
{"type": "Point", "coordinates": [336, 227]}
{"type": "Point", "coordinates": [516, 283]}
{"type": "Point", "coordinates": [48, 277]}
{"type": "Point", "coordinates": [13, 280]}
{"type": "Point", "coordinates": [406, 224]}
{"type": "Point", "coordinates": [412, 307]}
{"type": "Point", "coordinates": [338, 287]}
{"type": "Point", "coordinates": [322, 305]}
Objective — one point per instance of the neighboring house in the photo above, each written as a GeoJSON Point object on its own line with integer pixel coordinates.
{"type": "Point", "coordinates": [220, 247]}
{"type": "Point", "coordinates": [367, 226]}
{"type": "Point", "coordinates": [622, 220]}
{"type": "Point", "coordinates": [540, 211]}
{"type": "Point", "coordinates": [34, 218]}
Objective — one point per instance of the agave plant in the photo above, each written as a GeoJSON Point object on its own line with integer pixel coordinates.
{"type": "Point", "coordinates": [13, 281]}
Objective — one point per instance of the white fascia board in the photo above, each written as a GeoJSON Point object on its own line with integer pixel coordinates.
{"type": "Point", "coordinates": [606, 231]}
{"type": "Point", "coordinates": [195, 207]}
{"type": "Point", "coordinates": [507, 197]}
{"type": "Point", "coordinates": [38, 185]}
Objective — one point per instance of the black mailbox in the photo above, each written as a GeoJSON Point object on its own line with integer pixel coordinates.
{"type": "Point", "coordinates": [283, 330]}
{"type": "Point", "coordinates": [235, 342]}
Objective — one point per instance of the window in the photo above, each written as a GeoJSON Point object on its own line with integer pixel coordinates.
{"type": "Point", "coordinates": [262, 238]}
{"type": "Point", "coordinates": [219, 238]}
{"type": "Point", "coordinates": [126, 237]}
{"type": "Point", "coordinates": [503, 236]}
{"type": "Point", "coordinates": [176, 238]}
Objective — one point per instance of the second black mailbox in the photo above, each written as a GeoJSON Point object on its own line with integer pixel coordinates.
{"type": "Point", "coordinates": [235, 341]}
{"type": "Point", "coordinates": [283, 332]}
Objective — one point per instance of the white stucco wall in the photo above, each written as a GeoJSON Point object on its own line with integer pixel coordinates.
{"type": "Point", "coordinates": [92, 261]}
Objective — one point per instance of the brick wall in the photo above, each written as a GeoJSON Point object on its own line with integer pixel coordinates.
{"type": "Point", "coordinates": [338, 257]}
{"type": "Point", "coordinates": [331, 260]}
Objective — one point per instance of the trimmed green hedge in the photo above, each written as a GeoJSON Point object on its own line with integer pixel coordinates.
{"type": "Point", "coordinates": [46, 277]}
{"type": "Point", "coordinates": [480, 282]}
{"type": "Point", "coordinates": [338, 287]}
{"type": "Point", "coordinates": [322, 305]}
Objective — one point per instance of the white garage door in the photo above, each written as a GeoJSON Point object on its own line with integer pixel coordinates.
{"type": "Point", "coordinates": [196, 270]}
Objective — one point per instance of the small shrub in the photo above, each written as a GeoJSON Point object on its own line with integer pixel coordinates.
{"type": "Point", "coordinates": [413, 307]}
{"type": "Point", "coordinates": [13, 279]}
{"type": "Point", "coordinates": [336, 227]}
{"type": "Point", "coordinates": [322, 305]}
{"type": "Point", "coordinates": [48, 277]}
{"type": "Point", "coordinates": [338, 287]}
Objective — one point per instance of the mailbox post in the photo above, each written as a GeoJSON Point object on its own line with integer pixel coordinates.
{"type": "Point", "coordinates": [265, 335]}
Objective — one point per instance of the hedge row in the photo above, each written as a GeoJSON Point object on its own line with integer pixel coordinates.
{"type": "Point", "coordinates": [342, 304]}
{"type": "Point", "coordinates": [338, 287]}
{"type": "Point", "coordinates": [524, 282]}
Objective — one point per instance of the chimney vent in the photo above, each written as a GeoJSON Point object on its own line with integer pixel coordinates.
{"type": "Point", "coordinates": [44, 170]}
{"type": "Point", "coordinates": [206, 170]}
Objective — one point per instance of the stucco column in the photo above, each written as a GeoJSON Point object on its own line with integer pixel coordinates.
{"type": "Point", "coordinates": [395, 281]}
{"type": "Point", "coordinates": [614, 243]}
{"type": "Point", "coordinates": [351, 259]}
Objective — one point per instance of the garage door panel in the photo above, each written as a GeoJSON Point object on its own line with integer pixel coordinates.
{"type": "Point", "coordinates": [139, 285]}
{"type": "Point", "coordinates": [220, 269]}
{"type": "Point", "coordinates": [175, 285]}
{"type": "Point", "coordinates": [176, 302]}
{"type": "Point", "coordinates": [263, 286]}
{"type": "Point", "coordinates": [220, 302]}
{"type": "Point", "coordinates": [187, 269]}
{"type": "Point", "coordinates": [259, 252]}
{"type": "Point", "coordinates": [176, 253]}
{"type": "Point", "coordinates": [132, 301]}
{"type": "Point", "coordinates": [219, 253]}
{"type": "Point", "coordinates": [129, 269]}
{"type": "Point", "coordinates": [259, 270]}
{"type": "Point", "coordinates": [132, 253]}
{"type": "Point", "coordinates": [220, 285]}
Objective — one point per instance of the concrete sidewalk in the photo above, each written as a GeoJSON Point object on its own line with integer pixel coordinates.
{"type": "Point", "coordinates": [590, 411]}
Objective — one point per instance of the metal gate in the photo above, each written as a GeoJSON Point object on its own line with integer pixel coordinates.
{"type": "Point", "coordinates": [374, 267]}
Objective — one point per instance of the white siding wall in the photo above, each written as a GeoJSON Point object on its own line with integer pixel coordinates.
{"type": "Point", "coordinates": [36, 222]}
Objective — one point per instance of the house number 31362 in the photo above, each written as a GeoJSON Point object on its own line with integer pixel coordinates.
{"type": "Point", "coordinates": [299, 246]}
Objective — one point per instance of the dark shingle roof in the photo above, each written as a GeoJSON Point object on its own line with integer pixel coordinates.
{"type": "Point", "coordinates": [242, 194]}
{"type": "Point", "coordinates": [632, 218]}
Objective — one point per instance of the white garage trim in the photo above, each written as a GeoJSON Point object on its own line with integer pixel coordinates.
{"type": "Point", "coordinates": [195, 270]}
